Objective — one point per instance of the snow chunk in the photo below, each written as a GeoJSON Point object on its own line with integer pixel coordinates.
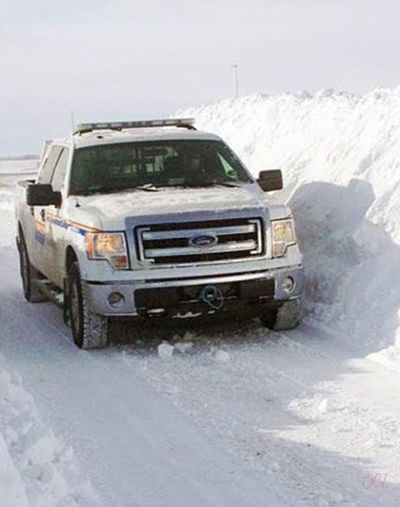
{"type": "Point", "coordinates": [183, 347]}
{"type": "Point", "coordinates": [276, 467]}
{"type": "Point", "coordinates": [165, 350]}
{"type": "Point", "coordinates": [189, 337]}
{"type": "Point", "coordinates": [323, 406]}
{"type": "Point", "coordinates": [336, 497]}
{"type": "Point", "coordinates": [221, 357]}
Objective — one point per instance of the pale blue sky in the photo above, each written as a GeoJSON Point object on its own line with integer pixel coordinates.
{"type": "Point", "coordinates": [143, 59]}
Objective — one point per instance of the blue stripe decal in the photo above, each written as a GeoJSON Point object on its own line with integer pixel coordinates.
{"type": "Point", "coordinates": [59, 222]}
{"type": "Point", "coordinates": [40, 237]}
{"type": "Point", "coordinates": [65, 225]}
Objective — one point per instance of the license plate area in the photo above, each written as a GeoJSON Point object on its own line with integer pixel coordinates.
{"type": "Point", "coordinates": [170, 297]}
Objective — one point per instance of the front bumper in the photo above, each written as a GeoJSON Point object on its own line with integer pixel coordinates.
{"type": "Point", "coordinates": [185, 296]}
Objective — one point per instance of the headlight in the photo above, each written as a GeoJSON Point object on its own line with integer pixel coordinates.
{"type": "Point", "coordinates": [283, 235]}
{"type": "Point", "coordinates": [110, 246]}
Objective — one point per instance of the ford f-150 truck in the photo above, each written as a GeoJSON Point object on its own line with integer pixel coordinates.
{"type": "Point", "coordinates": [155, 219]}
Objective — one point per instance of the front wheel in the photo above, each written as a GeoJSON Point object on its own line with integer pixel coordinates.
{"type": "Point", "coordinates": [89, 330]}
{"type": "Point", "coordinates": [286, 316]}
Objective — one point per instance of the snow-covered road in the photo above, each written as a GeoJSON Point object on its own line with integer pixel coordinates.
{"type": "Point", "coordinates": [232, 415]}
{"type": "Point", "coordinates": [239, 417]}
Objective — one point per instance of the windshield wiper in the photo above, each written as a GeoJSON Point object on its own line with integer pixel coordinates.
{"type": "Point", "coordinates": [232, 184]}
{"type": "Point", "coordinates": [149, 187]}
{"type": "Point", "coordinates": [212, 183]}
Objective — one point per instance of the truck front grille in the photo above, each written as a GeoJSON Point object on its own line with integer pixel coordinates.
{"type": "Point", "coordinates": [175, 243]}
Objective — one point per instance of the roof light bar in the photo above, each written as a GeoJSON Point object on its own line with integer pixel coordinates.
{"type": "Point", "coordinates": [119, 125]}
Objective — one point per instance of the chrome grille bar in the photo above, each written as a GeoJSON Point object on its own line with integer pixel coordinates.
{"type": "Point", "coordinates": [216, 231]}
{"type": "Point", "coordinates": [225, 247]}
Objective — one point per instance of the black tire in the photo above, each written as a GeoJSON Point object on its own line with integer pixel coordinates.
{"type": "Point", "coordinates": [287, 316]}
{"type": "Point", "coordinates": [89, 330]}
{"type": "Point", "coordinates": [29, 275]}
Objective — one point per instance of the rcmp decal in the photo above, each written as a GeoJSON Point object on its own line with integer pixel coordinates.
{"type": "Point", "coordinates": [42, 228]}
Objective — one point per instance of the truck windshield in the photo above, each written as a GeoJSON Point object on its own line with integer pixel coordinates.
{"type": "Point", "coordinates": [152, 165]}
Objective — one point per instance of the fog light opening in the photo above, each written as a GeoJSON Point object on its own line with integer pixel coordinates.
{"type": "Point", "coordinates": [116, 299]}
{"type": "Point", "coordinates": [288, 284]}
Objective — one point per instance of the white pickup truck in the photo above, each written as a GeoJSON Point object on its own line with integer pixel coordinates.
{"type": "Point", "coordinates": [155, 220]}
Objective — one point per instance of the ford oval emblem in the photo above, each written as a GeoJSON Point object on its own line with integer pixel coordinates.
{"type": "Point", "coordinates": [204, 240]}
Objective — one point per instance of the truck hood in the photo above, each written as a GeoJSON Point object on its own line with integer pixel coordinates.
{"type": "Point", "coordinates": [113, 210]}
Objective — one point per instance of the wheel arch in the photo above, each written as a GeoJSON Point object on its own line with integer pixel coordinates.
{"type": "Point", "coordinates": [21, 232]}
{"type": "Point", "coordinates": [70, 257]}
{"type": "Point", "coordinates": [21, 237]}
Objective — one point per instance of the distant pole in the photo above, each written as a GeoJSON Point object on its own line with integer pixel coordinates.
{"type": "Point", "coordinates": [235, 67]}
{"type": "Point", "coordinates": [72, 120]}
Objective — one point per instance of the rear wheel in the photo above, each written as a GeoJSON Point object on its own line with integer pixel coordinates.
{"type": "Point", "coordinates": [287, 316]}
{"type": "Point", "coordinates": [89, 330]}
{"type": "Point", "coordinates": [29, 275]}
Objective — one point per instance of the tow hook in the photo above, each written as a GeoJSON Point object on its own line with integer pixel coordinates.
{"type": "Point", "coordinates": [212, 296]}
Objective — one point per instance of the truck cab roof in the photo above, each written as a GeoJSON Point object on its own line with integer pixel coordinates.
{"type": "Point", "coordinates": [147, 134]}
{"type": "Point", "coordinates": [94, 134]}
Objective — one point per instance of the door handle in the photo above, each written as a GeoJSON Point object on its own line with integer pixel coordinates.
{"type": "Point", "coordinates": [43, 215]}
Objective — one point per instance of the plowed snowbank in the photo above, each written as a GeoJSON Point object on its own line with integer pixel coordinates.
{"type": "Point", "coordinates": [340, 156]}
{"type": "Point", "coordinates": [36, 468]}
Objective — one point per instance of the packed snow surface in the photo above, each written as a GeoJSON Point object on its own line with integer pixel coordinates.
{"type": "Point", "coordinates": [231, 414]}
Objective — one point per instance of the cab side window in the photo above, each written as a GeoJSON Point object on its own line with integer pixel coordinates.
{"type": "Point", "coordinates": [47, 170]}
{"type": "Point", "coordinates": [60, 170]}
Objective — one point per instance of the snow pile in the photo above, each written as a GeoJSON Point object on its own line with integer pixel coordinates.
{"type": "Point", "coordinates": [36, 468]}
{"type": "Point", "coordinates": [340, 159]}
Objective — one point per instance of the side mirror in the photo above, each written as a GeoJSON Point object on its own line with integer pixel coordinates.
{"type": "Point", "coordinates": [41, 194]}
{"type": "Point", "coordinates": [270, 180]}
